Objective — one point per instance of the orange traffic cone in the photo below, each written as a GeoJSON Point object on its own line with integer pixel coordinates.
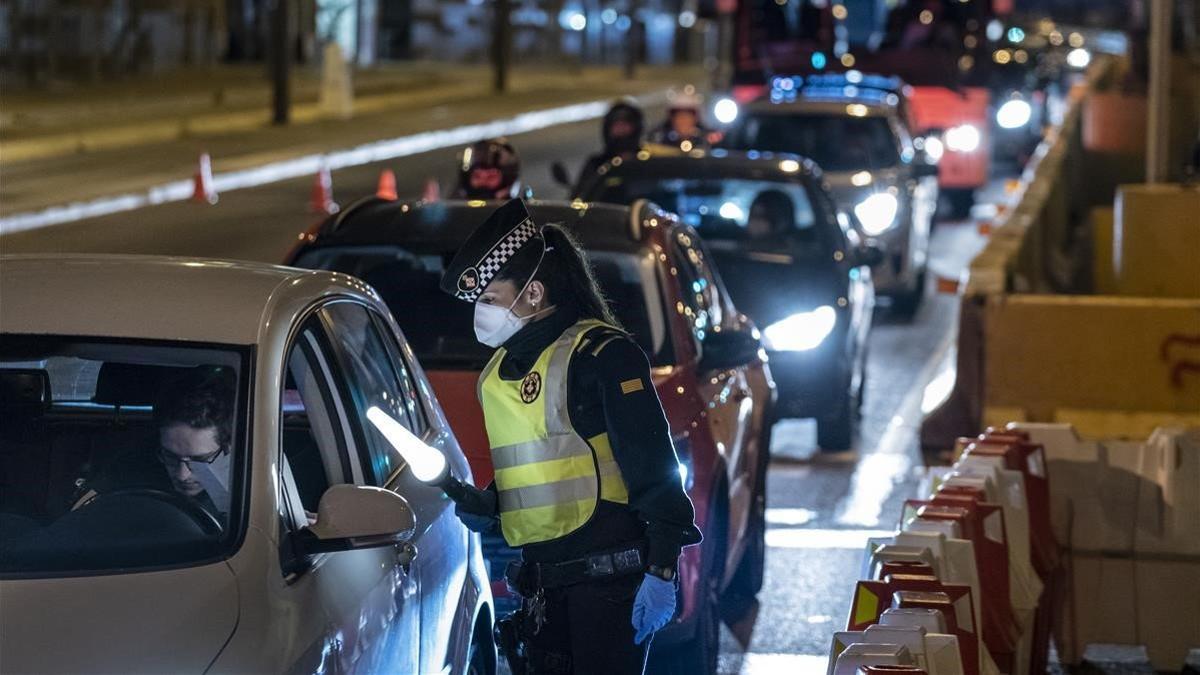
{"type": "Point", "coordinates": [387, 185]}
{"type": "Point", "coordinates": [432, 191]}
{"type": "Point", "coordinates": [947, 285]}
{"type": "Point", "coordinates": [203, 182]}
{"type": "Point", "coordinates": [322, 193]}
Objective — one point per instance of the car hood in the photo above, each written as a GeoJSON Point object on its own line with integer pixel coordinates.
{"type": "Point", "coordinates": [171, 621]}
{"type": "Point", "coordinates": [770, 285]}
{"type": "Point", "coordinates": [846, 194]}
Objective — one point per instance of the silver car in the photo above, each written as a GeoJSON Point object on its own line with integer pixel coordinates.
{"type": "Point", "coordinates": [202, 471]}
{"type": "Point", "coordinates": [860, 139]}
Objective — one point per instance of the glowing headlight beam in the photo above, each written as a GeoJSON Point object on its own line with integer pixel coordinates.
{"type": "Point", "coordinates": [1014, 114]}
{"type": "Point", "coordinates": [877, 212]}
{"type": "Point", "coordinates": [801, 332]}
{"type": "Point", "coordinates": [934, 149]}
{"type": "Point", "coordinates": [725, 110]}
{"type": "Point", "coordinates": [427, 464]}
{"type": "Point", "coordinates": [732, 212]}
{"type": "Point", "coordinates": [963, 138]}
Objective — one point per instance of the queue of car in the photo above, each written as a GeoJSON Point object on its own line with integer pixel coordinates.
{"type": "Point", "coordinates": [747, 276]}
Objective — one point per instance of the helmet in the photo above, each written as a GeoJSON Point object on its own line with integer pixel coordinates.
{"type": "Point", "coordinates": [489, 169]}
{"type": "Point", "coordinates": [687, 99]}
{"type": "Point", "coordinates": [627, 111]}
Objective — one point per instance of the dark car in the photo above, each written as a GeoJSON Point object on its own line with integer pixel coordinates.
{"type": "Point", "coordinates": [789, 258]}
{"type": "Point", "coordinates": [859, 135]}
{"type": "Point", "coordinates": [707, 365]}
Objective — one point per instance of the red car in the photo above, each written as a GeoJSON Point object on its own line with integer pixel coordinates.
{"type": "Point", "coordinates": [708, 366]}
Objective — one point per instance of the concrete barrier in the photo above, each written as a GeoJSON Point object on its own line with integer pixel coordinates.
{"type": "Point", "coordinates": [1032, 346]}
{"type": "Point", "coordinates": [1084, 307]}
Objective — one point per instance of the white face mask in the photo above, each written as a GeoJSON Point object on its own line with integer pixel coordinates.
{"type": "Point", "coordinates": [494, 325]}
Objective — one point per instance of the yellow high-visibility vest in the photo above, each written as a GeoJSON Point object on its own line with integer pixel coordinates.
{"type": "Point", "coordinates": [549, 478]}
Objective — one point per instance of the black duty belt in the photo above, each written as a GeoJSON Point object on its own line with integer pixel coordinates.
{"type": "Point", "coordinates": [527, 578]}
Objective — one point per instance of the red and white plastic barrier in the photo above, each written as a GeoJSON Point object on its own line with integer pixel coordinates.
{"type": "Point", "coordinates": [963, 586]}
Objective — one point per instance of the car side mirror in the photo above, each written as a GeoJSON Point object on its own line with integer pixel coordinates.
{"type": "Point", "coordinates": [352, 517]}
{"type": "Point", "coordinates": [869, 255]}
{"type": "Point", "coordinates": [729, 349]}
{"type": "Point", "coordinates": [561, 175]}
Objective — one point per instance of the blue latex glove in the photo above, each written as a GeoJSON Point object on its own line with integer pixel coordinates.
{"type": "Point", "coordinates": [653, 607]}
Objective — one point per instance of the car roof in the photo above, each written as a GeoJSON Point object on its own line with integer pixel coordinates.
{"type": "Point", "coordinates": [441, 227]}
{"type": "Point", "coordinates": [837, 106]}
{"type": "Point", "coordinates": [716, 163]}
{"type": "Point", "coordinates": [151, 297]}
{"type": "Point", "coordinates": [831, 92]}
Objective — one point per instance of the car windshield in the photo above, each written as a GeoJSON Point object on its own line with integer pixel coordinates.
{"type": "Point", "coordinates": [835, 142]}
{"type": "Point", "coordinates": [116, 454]}
{"type": "Point", "coordinates": [720, 208]}
{"type": "Point", "coordinates": [441, 328]}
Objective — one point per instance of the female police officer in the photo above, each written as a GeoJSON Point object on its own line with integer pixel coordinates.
{"type": "Point", "coordinates": [587, 482]}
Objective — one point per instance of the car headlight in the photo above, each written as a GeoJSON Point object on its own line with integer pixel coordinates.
{"type": "Point", "coordinates": [801, 332]}
{"type": "Point", "coordinates": [877, 212]}
{"type": "Point", "coordinates": [1014, 114]}
{"type": "Point", "coordinates": [962, 138]}
{"type": "Point", "coordinates": [934, 148]}
{"type": "Point", "coordinates": [725, 110]}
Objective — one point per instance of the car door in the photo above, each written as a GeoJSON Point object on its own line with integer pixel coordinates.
{"type": "Point", "coordinates": [378, 375]}
{"type": "Point", "coordinates": [728, 394]}
{"type": "Point", "coordinates": [369, 599]}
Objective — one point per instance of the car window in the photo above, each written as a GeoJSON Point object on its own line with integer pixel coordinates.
{"type": "Point", "coordinates": [837, 142]}
{"type": "Point", "coordinates": [118, 454]}
{"type": "Point", "coordinates": [408, 389]}
{"type": "Point", "coordinates": [719, 207]}
{"type": "Point", "coordinates": [315, 445]}
{"type": "Point", "coordinates": [372, 382]}
{"type": "Point", "coordinates": [702, 304]}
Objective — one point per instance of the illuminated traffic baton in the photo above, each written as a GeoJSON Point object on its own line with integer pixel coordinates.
{"type": "Point", "coordinates": [428, 464]}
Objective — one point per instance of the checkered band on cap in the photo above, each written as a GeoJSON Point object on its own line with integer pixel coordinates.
{"type": "Point", "coordinates": [474, 279]}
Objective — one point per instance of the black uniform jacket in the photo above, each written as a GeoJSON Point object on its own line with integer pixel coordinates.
{"type": "Point", "coordinates": [659, 511]}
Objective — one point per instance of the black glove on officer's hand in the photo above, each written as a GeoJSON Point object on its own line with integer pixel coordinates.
{"type": "Point", "coordinates": [477, 509]}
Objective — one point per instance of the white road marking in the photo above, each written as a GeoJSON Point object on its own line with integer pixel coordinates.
{"type": "Point", "coordinates": [822, 539]}
{"type": "Point", "coordinates": [778, 664]}
{"type": "Point", "coordinates": [940, 387]}
{"type": "Point", "coordinates": [878, 471]}
{"type": "Point", "coordinates": [789, 517]}
{"type": "Point", "coordinates": [273, 172]}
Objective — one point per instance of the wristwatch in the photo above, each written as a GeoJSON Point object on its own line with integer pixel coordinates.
{"type": "Point", "coordinates": [664, 573]}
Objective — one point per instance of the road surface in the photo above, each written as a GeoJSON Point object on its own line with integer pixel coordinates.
{"type": "Point", "coordinates": [821, 507]}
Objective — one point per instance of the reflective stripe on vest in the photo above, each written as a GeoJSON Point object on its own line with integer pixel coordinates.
{"type": "Point", "coordinates": [548, 478]}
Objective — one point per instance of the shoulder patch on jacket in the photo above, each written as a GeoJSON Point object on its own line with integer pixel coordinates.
{"type": "Point", "coordinates": [630, 386]}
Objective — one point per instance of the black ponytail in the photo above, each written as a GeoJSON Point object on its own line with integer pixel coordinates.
{"type": "Point", "coordinates": [565, 272]}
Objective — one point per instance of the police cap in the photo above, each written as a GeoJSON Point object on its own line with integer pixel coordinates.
{"type": "Point", "coordinates": [489, 249]}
